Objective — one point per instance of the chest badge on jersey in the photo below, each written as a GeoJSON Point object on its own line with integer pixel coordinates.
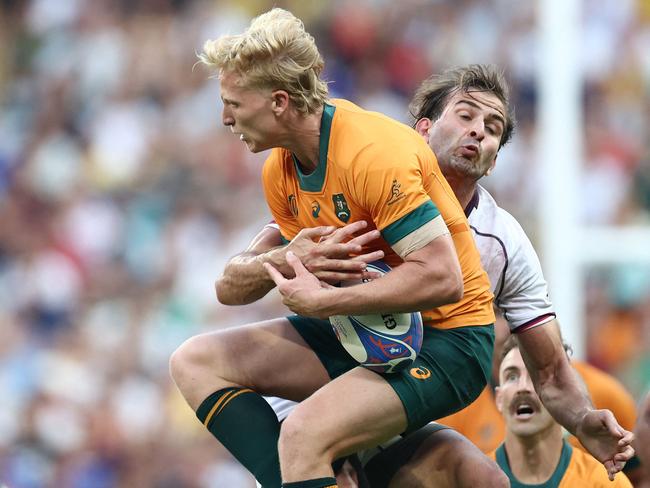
{"type": "Point", "coordinates": [341, 207]}
{"type": "Point", "coordinates": [293, 205]}
{"type": "Point", "coordinates": [315, 209]}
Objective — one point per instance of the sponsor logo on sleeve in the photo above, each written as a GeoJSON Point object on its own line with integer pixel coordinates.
{"type": "Point", "coordinates": [396, 194]}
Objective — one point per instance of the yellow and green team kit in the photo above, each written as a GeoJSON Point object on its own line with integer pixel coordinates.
{"type": "Point", "coordinates": [396, 191]}
{"type": "Point", "coordinates": [375, 169]}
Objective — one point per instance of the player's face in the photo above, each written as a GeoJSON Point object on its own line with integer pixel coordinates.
{"type": "Point", "coordinates": [466, 136]}
{"type": "Point", "coordinates": [517, 401]}
{"type": "Point", "coordinates": [248, 112]}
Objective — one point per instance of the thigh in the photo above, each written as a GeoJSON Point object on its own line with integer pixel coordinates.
{"type": "Point", "coordinates": [359, 409]}
{"type": "Point", "coordinates": [270, 357]}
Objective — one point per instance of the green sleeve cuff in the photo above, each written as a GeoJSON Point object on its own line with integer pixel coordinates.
{"type": "Point", "coordinates": [399, 229]}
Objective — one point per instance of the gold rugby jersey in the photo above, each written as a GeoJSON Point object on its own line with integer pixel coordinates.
{"type": "Point", "coordinates": [376, 169]}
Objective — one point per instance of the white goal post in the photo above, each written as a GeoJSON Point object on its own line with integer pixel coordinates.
{"type": "Point", "coordinates": [566, 248]}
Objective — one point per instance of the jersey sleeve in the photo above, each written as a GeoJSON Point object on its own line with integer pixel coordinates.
{"type": "Point", "coordinates": [522, 293]}
{"type": "Point", "coordinates": [391, 188]}
{"type": "Point", "coordinates": [276, 196]}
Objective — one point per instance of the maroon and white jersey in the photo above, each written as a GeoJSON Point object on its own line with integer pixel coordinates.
{"type": "Point", "coordinates": [508, 257]}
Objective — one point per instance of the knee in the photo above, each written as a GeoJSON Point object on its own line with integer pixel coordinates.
{"type": "Point", "coordinates": [498, 479]}
{"type": "Point", "coordinates": [295, 429]}
{"type": "Point", "coordinates": [481, 472]}
{"type": "Point", "coordinates": [495, 478]}
{"type": "Point", "coordinates": [300, 435]}
{"type": "Point", "coordinates": [450, 456]}
{"type": "Point", "coordinates": [186, 359]}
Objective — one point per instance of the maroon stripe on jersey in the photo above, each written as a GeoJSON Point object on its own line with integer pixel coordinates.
{"type": "Point", "coordinates": [542, 319]}
{"type": "Point", "coordinates": [497, 293]}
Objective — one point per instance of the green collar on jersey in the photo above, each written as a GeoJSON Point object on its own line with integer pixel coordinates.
{"type": "Point", "coordinates": [314, 181]}
{"type": "Point", "coordinates": [552, 482]}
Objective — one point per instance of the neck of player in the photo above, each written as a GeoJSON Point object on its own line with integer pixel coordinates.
{"type": "Point", "coordinates": [533, 458]}
{"type": "Point", "coordinates": [463, 187]}
{"type": "Point", "coordinates": [303, 139]}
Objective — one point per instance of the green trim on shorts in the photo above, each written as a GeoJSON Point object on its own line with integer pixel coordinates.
{"type": "Point", "coordinates": [450, 372]}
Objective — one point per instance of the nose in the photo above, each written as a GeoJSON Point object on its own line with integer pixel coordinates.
{"type": "Point", "coordinates": [525, 383]}
{"type": "Point", "coordinates": [477, 130]}
{"type": "Point", "coordinates": [227, 118]}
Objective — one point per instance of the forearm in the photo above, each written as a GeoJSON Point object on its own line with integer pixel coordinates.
{"type": "Point", "coordinates": [558, 385]}
{"type": "Point", "coordinates": [429, 278]}
{"type": "Point", "coordinates": [244, 280]}
{"type": "Point", "coordinates": [405, 289]}
{"type": "Point", "coordinates": [565, 397]}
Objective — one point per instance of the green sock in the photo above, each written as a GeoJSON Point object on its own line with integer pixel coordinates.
{"type": "Point", "coordinates": [248, 427]}
{"type": "Point", "coordinates": [315, 483]}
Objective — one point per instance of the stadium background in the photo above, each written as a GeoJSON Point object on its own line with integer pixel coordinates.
{"type": "Point", "coordinates": [122, 196]}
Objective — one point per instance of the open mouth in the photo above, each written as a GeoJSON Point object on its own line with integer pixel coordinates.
{"type": "Point", "coordinates": [524, 411]}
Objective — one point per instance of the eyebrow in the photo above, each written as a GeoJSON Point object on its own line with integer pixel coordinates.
{"type": "Point", "coordinates": [496, 116]}
{"type": "Point", "coordinates": [510, 369]}
{"type": "Point", "coordinates": [228, 101]}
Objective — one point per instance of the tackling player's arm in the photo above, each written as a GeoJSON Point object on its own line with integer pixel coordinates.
{"type": "Point", "coordinates": [523, 299]}
{"type": "Point", "coordinates": [566, 398]}
{"type": "Point", "coordinates": [556, 382]}
{"type": "Point", "coordinates": [330, 253]}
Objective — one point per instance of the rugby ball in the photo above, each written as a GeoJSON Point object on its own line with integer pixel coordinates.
{"type": "Point", "coordinates": [385, 343]}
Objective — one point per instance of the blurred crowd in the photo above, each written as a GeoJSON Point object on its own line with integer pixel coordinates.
{"type": "Point", "coordinates": [122, 196]}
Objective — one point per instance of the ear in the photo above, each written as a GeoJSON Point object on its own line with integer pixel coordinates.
{"type": "Point", "coordinates": [279, 102]}
{"type": "Point", "coordinates": [422, 127]}
{"type": "Point", "coordinates": [489, 170]}
{"type": "Point", "coordinates": [498, 399]}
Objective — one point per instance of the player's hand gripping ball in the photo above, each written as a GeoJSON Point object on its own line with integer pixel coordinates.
{"type": "Point", "coordinates": [384, 343]}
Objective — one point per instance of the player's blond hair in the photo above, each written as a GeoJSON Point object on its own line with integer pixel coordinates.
{"type": "Point", "coordinates": [276, 53]}
{"type": "Point", "coordinates": [434, 93]}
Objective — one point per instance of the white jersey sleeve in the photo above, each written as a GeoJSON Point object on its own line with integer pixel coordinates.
{"type": "Point", "coordinates": [508, 257]}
